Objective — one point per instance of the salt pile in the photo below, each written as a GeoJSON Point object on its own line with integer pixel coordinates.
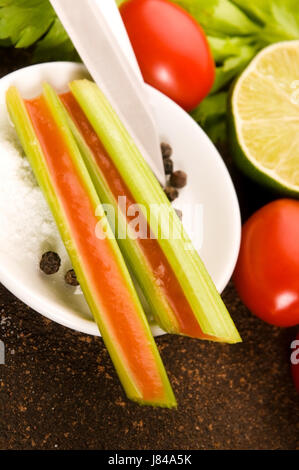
{"type": "Point", "coordinates": [27, 228]}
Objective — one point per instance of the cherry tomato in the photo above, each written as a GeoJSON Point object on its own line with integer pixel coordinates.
{"type": "Point", "coordinates": [267, 272]}
{"type": "Point", "coordinates": [171, 49]}
{"type": "Point", "coordinates": [295, 363]}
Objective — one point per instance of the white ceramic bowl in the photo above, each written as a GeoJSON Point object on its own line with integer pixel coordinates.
{"type": "Point", "coordinates": [27, 228]}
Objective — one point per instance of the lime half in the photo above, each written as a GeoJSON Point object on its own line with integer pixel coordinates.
{"type": "Point", "coordinates": [265, 118]}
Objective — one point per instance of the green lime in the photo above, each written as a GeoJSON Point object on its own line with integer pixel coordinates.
{"type": "Point", "coordinates": [265, 118]}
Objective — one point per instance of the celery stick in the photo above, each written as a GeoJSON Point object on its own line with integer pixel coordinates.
{"type": "Point", "coordinates": [95, 298]}
{"type": "Point", "coordinates": [195, 281]}
{"type": "Point", "coordinates": [131, 250]}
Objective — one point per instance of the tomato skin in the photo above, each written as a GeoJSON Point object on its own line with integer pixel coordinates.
{"type": "Point", "coordinates": [267, 272]}
{"type": "Point", "coordinates": [171, 49]}
{"type": "Point", "coordinates": [295, 367]}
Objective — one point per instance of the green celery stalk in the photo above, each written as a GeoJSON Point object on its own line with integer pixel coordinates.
{"type": "Point", "coordinates": [219, 17]}
{"type": "Point", "coordinates": [195, 281]}
{"type": "Point", "coordinates": [131, 250]}
{"type": "Point", "coordinates": [34, 152]}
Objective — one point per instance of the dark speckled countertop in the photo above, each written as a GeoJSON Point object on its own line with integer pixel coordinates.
{"type": "Point", "coordinates": [58, 389]}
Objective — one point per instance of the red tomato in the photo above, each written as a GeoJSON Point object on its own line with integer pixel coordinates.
{"type": "Point", "coordinates": [267, 272]}
{"type": "Point", "coordinates": [171, 49]}
{"type": "Point", "coordinates": [295, 363]}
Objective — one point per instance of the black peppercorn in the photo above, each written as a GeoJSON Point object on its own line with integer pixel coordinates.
{"type": "Point", "coordinates": [168, 166]}
{"type": "Point", "coordinates": [166, 150]}
{"type": "Point", "coordinates": [171, 193]}
{"type": "Point", "coordinates": [178, 179]}
{"type": "Point", "coordinates": [71, 278]}
{"type": "Point", "coordinates": [50, 263]}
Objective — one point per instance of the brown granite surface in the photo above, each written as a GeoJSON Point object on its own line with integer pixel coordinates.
{"type": "Point", "coordinates": [58, 389]}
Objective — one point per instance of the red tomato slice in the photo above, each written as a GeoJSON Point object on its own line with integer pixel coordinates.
{"type": "Point", "coordinates": [267, 272]}
{"type": "Point", "coordinates": [171, 49]}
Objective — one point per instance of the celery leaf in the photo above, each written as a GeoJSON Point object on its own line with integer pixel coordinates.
{"type": "Point", "coordinates": [25, 23]}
